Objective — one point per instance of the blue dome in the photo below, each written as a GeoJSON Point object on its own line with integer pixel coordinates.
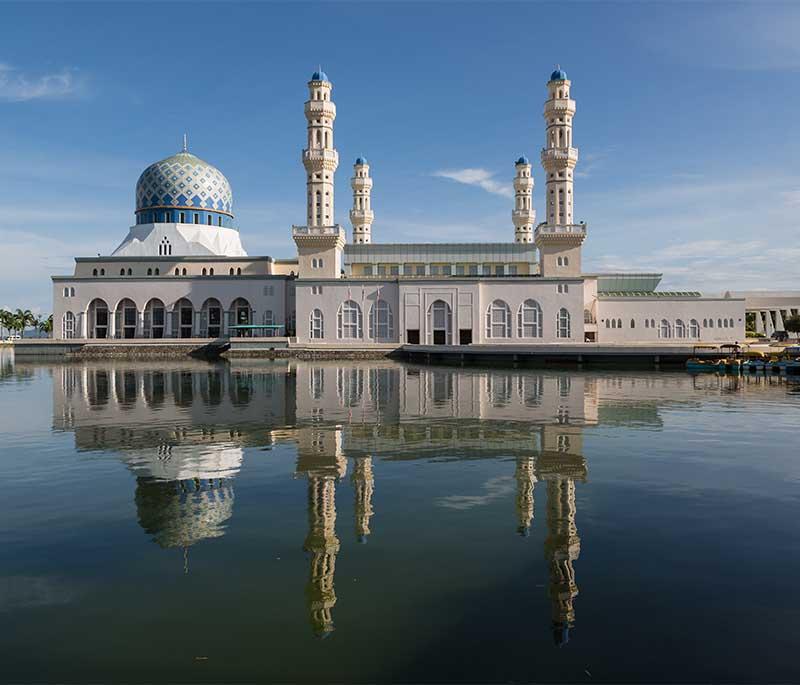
{"type": "Point", "coordinates": [523, 160]}
{"type": "Point", "coordinates": [184, 182]}
{"type": "Point", "coordinates": [319, 76]}
{"type": "Point", "coordinates": [558, 75]}
{"type": "Point", "coordinates": [361, 160]}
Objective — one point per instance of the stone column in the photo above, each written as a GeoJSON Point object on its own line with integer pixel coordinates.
{"type": "Point", "coordinates": [759, 322]}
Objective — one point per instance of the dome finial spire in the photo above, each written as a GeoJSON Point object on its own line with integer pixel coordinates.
{"type": "Point", "coordinates": [185, 143]}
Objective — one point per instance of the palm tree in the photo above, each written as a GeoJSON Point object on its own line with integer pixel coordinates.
{"type": "Point", "coordinates": [5, 320]}
{"type": "Point", "coordinates": [22, 318]}
{"type": "Point", "coordinates": [46, 325]}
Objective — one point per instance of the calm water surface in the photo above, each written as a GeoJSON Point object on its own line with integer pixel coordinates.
{"type": "Point", "coordinates": [335, 522]}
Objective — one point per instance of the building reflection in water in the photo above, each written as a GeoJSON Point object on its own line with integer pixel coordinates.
{"type": "Point", "coordinates": [182, 431]}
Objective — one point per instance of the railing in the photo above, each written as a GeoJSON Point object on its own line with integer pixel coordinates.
{"type": "Point", "coordinates": [317, 230]}
{"type": "Point", "coordinates": [320, 153]}
{"type": "Point", "coordinates": [559, 153]}
{"type": "Point", "coordinates": [561, 229]}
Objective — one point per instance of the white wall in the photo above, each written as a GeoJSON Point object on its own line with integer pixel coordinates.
{"type": "Point", "coordinates": [639, 309]}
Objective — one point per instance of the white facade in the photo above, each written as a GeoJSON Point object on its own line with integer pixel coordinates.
{"type": "Point", "coordinates": [182, 270]}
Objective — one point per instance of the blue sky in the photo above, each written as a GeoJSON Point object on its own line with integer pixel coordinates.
{"type": "Point", "coordinates": [687, 124]}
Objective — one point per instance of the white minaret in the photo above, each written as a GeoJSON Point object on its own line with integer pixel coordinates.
{"type": "Point", "coordinates": [361, 216]}
{"type": "Point", "coordinates": [558, 156]}
{"type": "Point", "coordinates": [523, 214]}
{"type": "Point", "coordinates": [320, 158]}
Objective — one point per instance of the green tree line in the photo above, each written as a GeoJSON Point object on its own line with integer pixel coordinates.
{"type": "Point", "coordinates": [21, 319]}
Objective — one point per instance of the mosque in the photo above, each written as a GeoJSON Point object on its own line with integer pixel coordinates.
{"type": "Point", "coordinates": [182, 270]}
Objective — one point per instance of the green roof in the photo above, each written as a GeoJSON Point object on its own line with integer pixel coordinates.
{"type": "Point", "coordinates": [649, 293]}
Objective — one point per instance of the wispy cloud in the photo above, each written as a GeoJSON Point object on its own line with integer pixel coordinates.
{"type": "Point", "coordinates": [19, 86]}
{"type": "Point", "coordinates": [482, 178]}
{"type": "Point", "coordinates": [494, 488]}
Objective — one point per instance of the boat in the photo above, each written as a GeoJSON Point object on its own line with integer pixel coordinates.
{"type": "Point", "coordinates": [733, 360]}
{"type": "Point", "coordinates": [755, 361]}
{"type": "Point", "coordinates": [705, 363]}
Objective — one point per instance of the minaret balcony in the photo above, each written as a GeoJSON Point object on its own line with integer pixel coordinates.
{"type": "Point", "coordinates": [317, 108]}
{"type": "Point", "coordinates": [321, 158]}
{"type": "Point", "coordinates": [560, 233]}
{"type": "Point", "coordinates": [560, 154]}
{"type": "Point", "coordinates": [560, 105]}
{"type": "Point", "coordinates": [361, 183]}
{"type": "Point", "coordinates": [520, 217]}
{"type": "Point", "coordinates": [361, 216]}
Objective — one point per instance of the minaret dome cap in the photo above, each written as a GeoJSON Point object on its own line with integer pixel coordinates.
{"type": "Point", "coordinates": [361, 160]}
{"type": "Point", "coordinates": [522, 160]}
{"type": "Point", "coordinates": [319, 76]}
{"type": "Point", "coordinates": [558, 75]}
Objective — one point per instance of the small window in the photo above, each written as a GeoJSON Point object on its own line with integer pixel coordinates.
{"type": "Point", "coordinates": [197, 218]}
{"type": "Point", "coordinates": [219, 221]}
{"type": "Point", "coordinates": [211, 271]}
{"type": "Point", "coordinates": [130, 272]}
{"type": "Point", "coordinates": [633, 323]}
{"type": "Point", "coordinates": [66, 292]}
{"type": "Point", "coordinates": [122, 272]}
{"type": "Point", "coordinates": [647, 323]}
{"type": "Point", "coordinates": [102, 272]}
{"type": "Point", "coordinates": [209, 218]}
{"type": "Point", "coordinates": [314, 263]}
{"type": "Point", "coordinates": [94, 272]}
{"type": "Point", "coordinates": [239, 271]}
{"type": "Point", "coordinates": [320, 262]}
{"type": "Point", "coordinates": [177, 272]}
{"type": "Point", "coordinates": [183, 272]}
{"type": "Point", "coordinates": [158, 271]}
{"type": "Point", "coordinates": [203, 272]}
{"type": "Point", "coordinates": [182, 215]}
{"type": "Point", "coordinates": [230, 271]}
{"type": "Point", "coordinates": [149, 272]}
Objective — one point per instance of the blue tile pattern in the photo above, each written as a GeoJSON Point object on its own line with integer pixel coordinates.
{"type": "Point", "coordinates": [184, 180]}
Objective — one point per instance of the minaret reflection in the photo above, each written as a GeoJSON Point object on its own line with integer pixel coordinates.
{"type": "Point", "coordinates": [560, 465]}
{"type": "Point", "coordinates": [525, 476]}
{"type": "Point", "coordinates": [562, 548]}
{"type": "Point", "coordinates": [320, 458]}
{"type": "Point", "coordinates": [363, 486]}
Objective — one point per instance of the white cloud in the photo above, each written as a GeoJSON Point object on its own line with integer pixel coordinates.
{"type": "Point", "coordinates": [495, 488]}
{"type": "Point", "coordinates": [477, 177]}
{"type": "Point", "coordinates": [17, 86]}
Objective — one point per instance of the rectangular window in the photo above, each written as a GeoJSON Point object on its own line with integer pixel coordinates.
{"type": "Point", "coordinates": [512, 270]}
{"type": "Point", "coordinates": [473, 269]}
{"type": "Point", "coordinates": [183, 217]}
{"type": "Point", "coordinates": [219, 221]}
{"type": "Point", "coordinates": [208, 219]}
{"type": "Point", "coordinates": [420, 269]}
{"type": "Point", "coordinates": [412, 336]}
{"type": "Point", "coordinates": [465, 336]}
{"type": "Point", "coordinates": [460, 270]}
{"type": "Point", "coordinates": [447, 269]}
{"type": "Point", "coordinates": [368, 269]}
{"type": "Point", "coordinates": [394, 270]}
{"type": "Point", "coordinates": [197, 218]}
{"type": "Point", "coordinates": [435, 270]}
{"type": "Point", "coordinates": [381, 269]}
{"type": "Point", "coordinates": [498, 269]}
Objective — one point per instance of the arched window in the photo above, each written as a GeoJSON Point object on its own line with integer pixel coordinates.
{"type": "Point", "coordinates": [177, 272]}
{"type": "Point", "coordinates": [130, 272]}
{"type": "Point", "coordinates": [633, 323]}
{"type": "Point", "coordinates": [719, 323]}
{"type": "Point", "coordinates": [711, 323]}
{"type": "Point", "coordinates": [608, 323]}
{"type": "Point", "coordinates": [211, 271]}
{"type": "Point", "coordinates": [381, 321]}
{"type": "Point", "coordinates": [680, 329]}
{"type": "Point", "coordinates": [122, 272]}
{"type": "Point", "coordinates": [316, 330]}
{"type": "Point", "coordinates": [203, 272]}
{"type": "Point", "coordinates": [183, 272]}
{"type": "Point", "coordinates": [349, 324]}
{"type": "Point", "coordinates": [66, 292]}
{"type": "Point", "coordinates": [563, 327]}
{"type": "Point", "coordinates": [314, 263]}
{"type": "Point", "coordinates": [529, 320]}
{"type": "Point", "coordinates": [72, 294]}
{"type": "Point", "coordinates": [102, 272]}
{"type": "Point", "coordinates": [694, 329]}
{"type": "Point", "coordinates": [732, 323]}
{"type": "Point", "coordinates": [647, 323]}
{"type": "Point", "coordinates": [157, 271]}
{"type": "Point", "coordinates": [619, 323]}
{"type": "Point", "coordinates": [94, 272]}
{"type": "Point", "coordinates": [239, 271]}
{"type": "Point", "coordinates": [498, 320]}
{"type": "Point", "coordinates": [149, 272]}
{"type": "Point", "coordinates": [705, 323]}
{"type": "Point", "coordinates": [230, 272]}
{"type": "Point", "coordinates": [68, 325]}
{"type": "Point", "coordinates": [665, 331]}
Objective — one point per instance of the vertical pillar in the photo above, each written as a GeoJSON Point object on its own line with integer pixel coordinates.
{"type": "Point", "coordinates": [759, 322]}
